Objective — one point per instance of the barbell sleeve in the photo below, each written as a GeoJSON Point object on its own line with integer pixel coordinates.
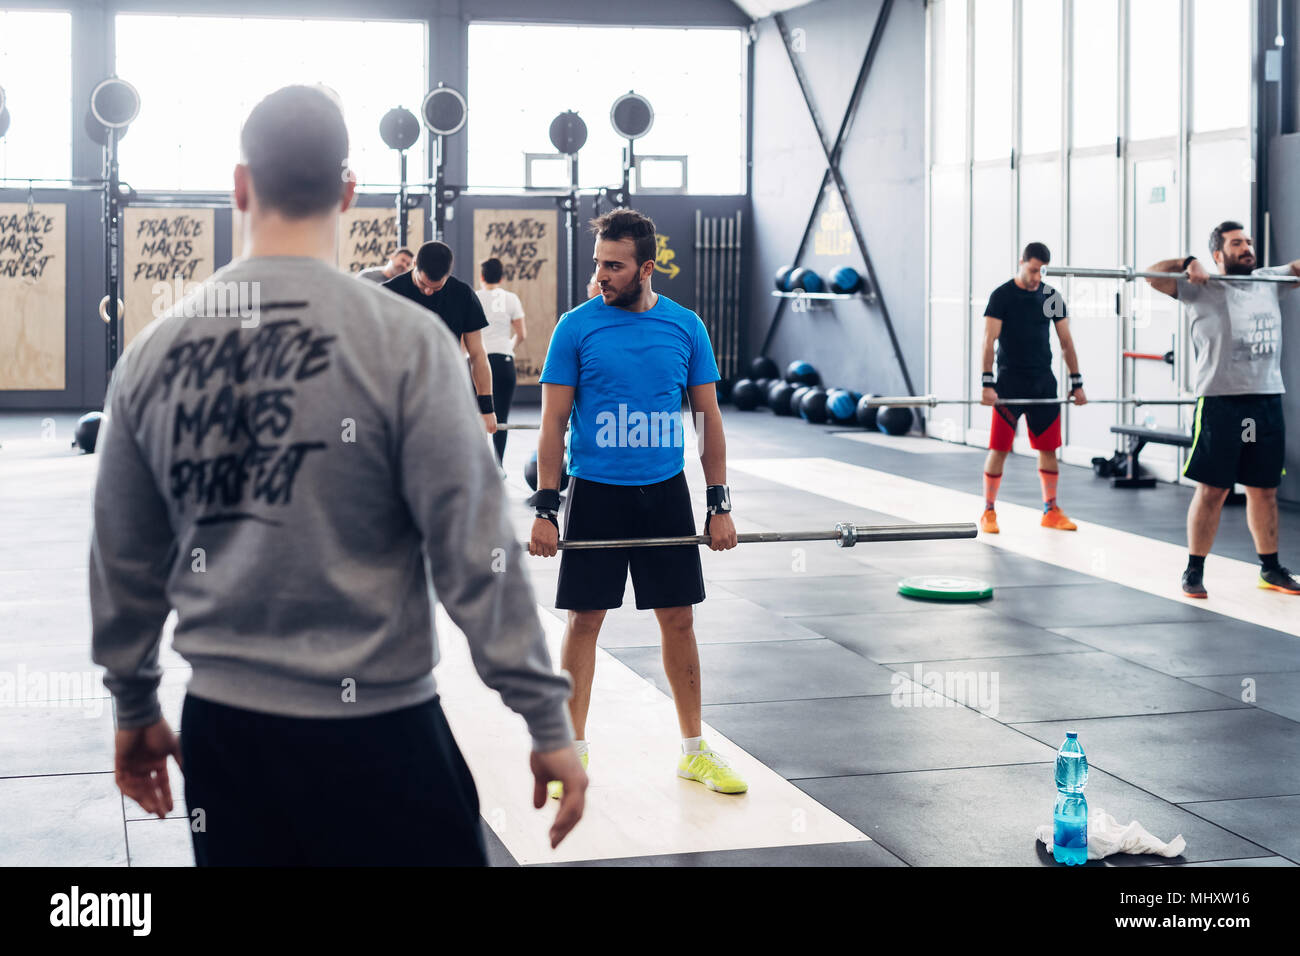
{"type": "Point", "coordinates": [845, 534]}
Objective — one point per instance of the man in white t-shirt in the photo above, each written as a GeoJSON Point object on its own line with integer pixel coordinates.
{"type": "Point", "coordinates": [505, 330]}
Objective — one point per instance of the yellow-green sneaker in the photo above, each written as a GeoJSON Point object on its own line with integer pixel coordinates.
{"type": "Point", "coordinates": [711, 770]}
{"type": "Point", "coordinates": [555, 789]}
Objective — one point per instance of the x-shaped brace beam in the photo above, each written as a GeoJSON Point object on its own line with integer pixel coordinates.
{"type": "Point", "coordinates": [833, 150]}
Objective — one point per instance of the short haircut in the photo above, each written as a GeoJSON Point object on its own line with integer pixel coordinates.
{"type": "Point", "coordinates": [402, 251]}
{"type": "Point", "coordinates": [1036, 250]}
{"type": "Point", "coordinates": [433, 261]}
{"type": "Point", "coordinates": [492, 270]}
{"type": "Point", "coordinates": [1216, 234]}
{"type": "Point", "coordinates": [628, 224]}
{"type": "Point", "coordinates": [295, 145]}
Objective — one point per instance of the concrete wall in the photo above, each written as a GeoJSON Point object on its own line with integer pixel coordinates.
{"type": "Point", "coordinates": [884, 169]}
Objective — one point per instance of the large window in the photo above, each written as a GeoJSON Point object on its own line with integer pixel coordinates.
{"type": "Point", "coordinates": [1040, 88]}
{"type": "Point", "coordinates": [993, 71]}
{"type": "Point", "coordinates": [521, 77]}
{"type": "Point", "coordinates": [1155, 33]}
{"type": "Point", "coordinates": [948, 54]}
{"type": "Point", "coordinates": [36, 73]}
{"type": "Point", "coordinates": [1098, 182]}
{"type": "Point", "coordinates": [187, 134]}
{"type": "Point", "coordinates": [1095, 35]}
{"type": "Point", "coordinates": [1220, 65]}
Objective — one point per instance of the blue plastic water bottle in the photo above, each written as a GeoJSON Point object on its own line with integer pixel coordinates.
{"type": "Point", "coordinates": [1070, 818]}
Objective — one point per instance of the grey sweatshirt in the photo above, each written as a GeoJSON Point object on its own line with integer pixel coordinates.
{"type": "Point", "coordinates": [279, 481]}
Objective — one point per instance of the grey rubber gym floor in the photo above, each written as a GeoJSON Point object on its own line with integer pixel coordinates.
{"type": "Point", "coordinates": [804, 669]}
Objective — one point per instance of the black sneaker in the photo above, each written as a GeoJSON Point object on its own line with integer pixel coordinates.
{"type": "Point", "coordinates": [1278, 579]}
{"type": "Point", "coordinates": [1193, 583]}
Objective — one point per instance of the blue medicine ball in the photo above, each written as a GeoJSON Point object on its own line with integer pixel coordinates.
{"type": "Point", "coordinates": [840, 406]}
{"type": "Point", "coordinates": [845, 280]}
{"type": "Point", "coordinates": [801, 373]}
{"type": "Point", "coordinates": [805, 279]}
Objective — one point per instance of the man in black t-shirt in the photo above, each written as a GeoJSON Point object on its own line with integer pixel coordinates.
{"type": "Point", "coordinates": [432, 285]}
{"type": "Point", "coordinates": [1015, 326]}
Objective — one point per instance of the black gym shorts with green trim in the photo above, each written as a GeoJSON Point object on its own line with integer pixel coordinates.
{"type": "Point", "coordinates": [1238, 439]}
{"type": "Point", "coordinates": [592, 580]}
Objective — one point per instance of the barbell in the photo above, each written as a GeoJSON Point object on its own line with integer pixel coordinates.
{"type": "Point", "coordinates": [1128, 275]}
{"type": "Point", "coordinates": [845, 534]}
{"type": "Point", "coordinates": [929, 401]}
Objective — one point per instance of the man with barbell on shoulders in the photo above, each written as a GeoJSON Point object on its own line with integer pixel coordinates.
{"type": "Point", "coordinates": [1240, 434]}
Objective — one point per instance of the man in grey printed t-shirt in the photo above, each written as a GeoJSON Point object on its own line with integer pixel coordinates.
{"type": "Point", "coordinates": [1239, 434]}
{"type": "Point", "coordinates": [288, 481]}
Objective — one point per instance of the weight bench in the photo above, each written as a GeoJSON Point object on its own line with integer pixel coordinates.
{"type": "Point", "coordinates": [1123, 469]}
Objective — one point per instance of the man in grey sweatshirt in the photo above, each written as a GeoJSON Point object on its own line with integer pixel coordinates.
{"type": "Point", "coordinates": [282, 453]}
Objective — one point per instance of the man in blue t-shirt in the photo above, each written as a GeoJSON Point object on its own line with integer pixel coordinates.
{"type": "Point", "coordinates": [615, 372]}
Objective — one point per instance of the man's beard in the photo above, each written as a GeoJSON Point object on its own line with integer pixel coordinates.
{"type": "Point", "coordinates": [629, 295]}
{"type": "Point", "coordinates": [1235, 267]}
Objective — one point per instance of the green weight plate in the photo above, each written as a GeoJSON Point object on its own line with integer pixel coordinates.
{"type": "Point", "coordinates": [945, 587]}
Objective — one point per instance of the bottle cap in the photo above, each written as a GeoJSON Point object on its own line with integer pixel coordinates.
{"type": "Point", "coordinates": [1072, 734]}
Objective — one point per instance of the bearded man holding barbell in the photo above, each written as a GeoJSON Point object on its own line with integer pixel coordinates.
{"type": "Point", "coordinates": [1240, 433]}
{"type": "Point", "coordinates": [616, 363]}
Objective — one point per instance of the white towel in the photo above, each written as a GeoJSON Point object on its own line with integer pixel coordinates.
{"type": "Point", "coordinates": [1106, 835]}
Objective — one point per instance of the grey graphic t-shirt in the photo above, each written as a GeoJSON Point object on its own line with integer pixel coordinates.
{"type": "Point", "coordinates": [1236, 334]}
{"type": "Point", "coordinates": [291, 481]}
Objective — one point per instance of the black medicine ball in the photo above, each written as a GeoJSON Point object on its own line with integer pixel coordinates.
{"type": "Point", "coordinates": [895, 420]}
{"type": "Point", "coordinates": [778, 397]}
{"type": "Point", "coordinates": [812, 407]}
{"type": "Point", "coordinates": [867, 413]}
{"type": "Point", "coordinates": [87, 432]}
{"type": "Point", "coordinates": [530, 472]}
{"type": "Point", "coordinates": [763, 367]}
{"type": "Point", "coordinates": [745, 395]}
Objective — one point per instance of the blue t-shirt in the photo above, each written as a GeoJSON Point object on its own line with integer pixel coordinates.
{"type": "Point", "coordinates": [628, 371]}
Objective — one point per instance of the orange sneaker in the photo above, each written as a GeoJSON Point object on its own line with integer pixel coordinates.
{"type": "Point", "coordinates": [1054, 517]}
{"type": "Point", "coordinates": [989, 521]}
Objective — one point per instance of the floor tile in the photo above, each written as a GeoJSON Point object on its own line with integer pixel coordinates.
{"type": "Point", "coordinates": [770, 670]}
{"type": "Point", "coordinates": [61, 820]}
{"type": "Point", "coordinates": [1212, 755]}
{"type": "Point", "coordinates": [912, 635]}
{"type": "Point", "coordinates": [986, 816]}
{"type": "Point", "coordinates": [856, 735]}
{"type": "Point", "coordinates": [1221, 646]}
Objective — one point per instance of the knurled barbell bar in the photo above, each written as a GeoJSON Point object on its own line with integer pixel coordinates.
{"type": "Point", "coordinates": [929, 401]}
{"type": "Point", "coordinates": [845, 534]}
{"type": "Point", "coordinates": [1128, 275]}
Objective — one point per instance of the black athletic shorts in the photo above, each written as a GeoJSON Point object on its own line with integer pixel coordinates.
{"type": "Point", "coordinates": [1238, 439]}
{"type": "Point", "coordinates": [661, 577]}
